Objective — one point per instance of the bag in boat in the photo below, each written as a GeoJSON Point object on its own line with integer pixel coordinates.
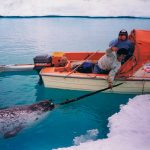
{"type": "Point", "coordinates": [86, 67]}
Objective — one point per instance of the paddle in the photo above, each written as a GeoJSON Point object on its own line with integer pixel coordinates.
{"type": "Point", "coordinates": [86, 95]}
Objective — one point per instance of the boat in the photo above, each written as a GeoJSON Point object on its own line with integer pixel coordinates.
{"type": "Point", "coordinates": [134, 73]}
{"type": "Point", "coordinates": [16, 67]}
{"type": "Point", "coordinates": [40, 62]}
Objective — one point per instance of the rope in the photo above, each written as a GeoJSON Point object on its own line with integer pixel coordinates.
{"type": "Point", "coordinates": [143, 86]}
{"type": "Point", "coordinates": [86, 95]}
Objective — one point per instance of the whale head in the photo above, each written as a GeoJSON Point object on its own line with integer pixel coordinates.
{"type": "Point", "coordinates": [43, 106]}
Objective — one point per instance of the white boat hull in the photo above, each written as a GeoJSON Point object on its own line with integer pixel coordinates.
{"type": "Point", "coordinates": [93, 84]}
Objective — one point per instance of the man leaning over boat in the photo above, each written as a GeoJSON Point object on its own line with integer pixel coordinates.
{"type": "Point", "coordinates": [110, 63]}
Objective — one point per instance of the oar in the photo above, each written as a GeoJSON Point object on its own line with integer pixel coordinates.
{"type": "Point", "coordinates": [86, 95]}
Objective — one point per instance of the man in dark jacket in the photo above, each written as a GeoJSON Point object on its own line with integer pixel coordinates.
{"type": "Point", "coordinates": [123, 42]}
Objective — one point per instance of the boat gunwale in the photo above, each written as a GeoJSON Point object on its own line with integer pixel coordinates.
{"type": "Point", "coordinates": [97, 77]}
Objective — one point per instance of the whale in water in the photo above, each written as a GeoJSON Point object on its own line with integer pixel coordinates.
{"type": "Point", "coordinates": [14, 119]}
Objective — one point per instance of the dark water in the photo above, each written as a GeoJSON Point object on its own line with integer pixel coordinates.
{"type": "Point", "coordinates": [22, 39]}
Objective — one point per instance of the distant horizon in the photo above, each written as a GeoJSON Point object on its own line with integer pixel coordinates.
{"type": "Point", "coordinates": [89, 17]}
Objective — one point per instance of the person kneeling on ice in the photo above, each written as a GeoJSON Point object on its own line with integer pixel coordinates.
{"type": "Point", "coordinates": [110, 63]}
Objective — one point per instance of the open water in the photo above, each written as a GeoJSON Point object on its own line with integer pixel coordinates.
{"type": "Point", "coordinates": [21, 39]}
